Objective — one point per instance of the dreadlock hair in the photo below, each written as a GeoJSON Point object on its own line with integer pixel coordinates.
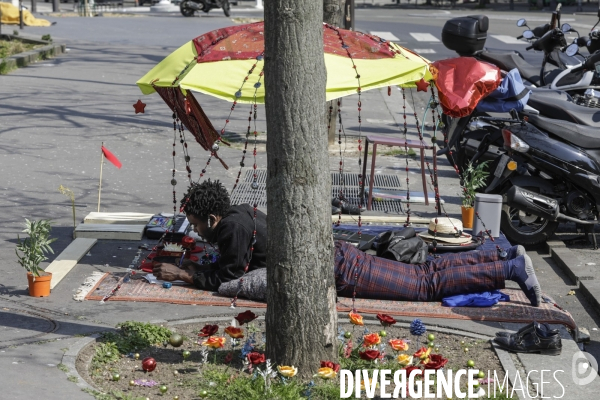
{"type": "Point", "coordinates": [203, 199]}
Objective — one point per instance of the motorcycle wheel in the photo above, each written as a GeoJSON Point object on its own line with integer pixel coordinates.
{"type": "Point", "coordinates": [525, 229]}
{"type": "Point", "coordinates": [226, 8]}
{"type": "Point", "coordinates": [186, 11]}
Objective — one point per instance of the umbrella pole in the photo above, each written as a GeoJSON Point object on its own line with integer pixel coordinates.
{"type": "Point", "coordinates": [100, 184]}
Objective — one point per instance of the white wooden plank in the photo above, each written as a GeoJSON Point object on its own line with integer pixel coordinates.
{"type": "Point", "coordinates": [69, 257]}
{"type": "Point", "coordinates": [389, 36]}
{"type": "Point", "coordinates": [110, 231]}
{"type": "Point", "coordinates": [424, 37]}
{"type": "Point", "coordinates": [117, 218]}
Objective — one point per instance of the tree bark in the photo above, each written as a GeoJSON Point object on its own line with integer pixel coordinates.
{"type": "Point", "coordinates": [301, 318]}
{"type": "Point", "coordinates": [333, 14]}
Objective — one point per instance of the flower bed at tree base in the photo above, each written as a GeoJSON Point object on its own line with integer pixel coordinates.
{"type": "Point", "coordinates": [194, 371]}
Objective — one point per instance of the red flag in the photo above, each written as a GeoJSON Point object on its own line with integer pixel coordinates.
{"type": "Point", "coordinates": [111, 157]}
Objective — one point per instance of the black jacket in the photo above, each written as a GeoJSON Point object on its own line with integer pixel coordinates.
{"type": "Point", "coordinates": [233, 236]}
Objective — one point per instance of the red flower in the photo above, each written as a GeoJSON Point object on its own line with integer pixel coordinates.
{"type": "Point", "coordinates": [386, 320]}
{"type": "Point", "coordinates": [332, 365]}
{"type": "Point", "coordinates": [208, 330]}
{"type": "Point", "coordinates": [245, 317]}
{"type": "Point", "coordinates": [228, 358]}
{"type": "Point", "coordinates": [411, 369]}
{"type": "Point", "coordinates": [369, 355]}
{"type": "Point", "coordinates": [256, 358]}
{"type": "Point", "coordinates": [436, 361]}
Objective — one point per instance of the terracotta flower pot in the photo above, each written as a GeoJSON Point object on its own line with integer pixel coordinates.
{"type": "Point", "coordinates": [40, 286]}
{"type": "Point", "coordinates": [467, 216]}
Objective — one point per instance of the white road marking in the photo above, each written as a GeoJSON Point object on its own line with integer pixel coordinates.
{"type": "Point", "coordinates": [389, 36]}
{"type": "Point", "coordinates": [424, 37]}
{"type": "Point", "coordinates": [508, 39]}
{"type": "Point", "coordinates": [424, 51]}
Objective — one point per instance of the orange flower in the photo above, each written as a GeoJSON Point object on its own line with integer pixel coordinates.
{"type": "Point", "coordinates": [214, 342]}
{"type": "Point", "coordinates": [371, 339]}
{"type": "Point", "coordinates": [398, 344]}
{"type": "Point", "coordinates": [423, 353]}
{"type": "Point", "coordinates": [356, 319]}
{"type": "Point", "coordinates": [234, 332]}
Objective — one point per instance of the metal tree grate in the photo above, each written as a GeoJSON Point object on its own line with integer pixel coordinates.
{"type": "Point", "coordinates": [245, 194]}
{"type": "Point", "coordinates": [381, 181]}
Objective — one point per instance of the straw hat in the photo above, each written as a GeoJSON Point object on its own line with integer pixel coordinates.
{"type": "Point", "coordinates": [447, 230]}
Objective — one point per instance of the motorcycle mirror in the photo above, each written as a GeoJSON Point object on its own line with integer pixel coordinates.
{"type": "Point", "coordinates": [572, 49]}
{"type": "Point", "coordinates": [528, 35]}
{"type": "Point", "coordinates": [522, 22]}
{"type": "Point", "coordinates": [565, 28]}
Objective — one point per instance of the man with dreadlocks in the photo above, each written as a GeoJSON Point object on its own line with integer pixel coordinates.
{"type": "Point", "coordinates": [208, 210]}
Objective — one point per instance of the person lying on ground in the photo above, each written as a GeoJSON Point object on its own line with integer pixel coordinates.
{"type": "Point", "coordinates": [208, 209]}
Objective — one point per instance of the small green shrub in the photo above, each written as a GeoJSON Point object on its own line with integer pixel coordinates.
{"type": "Point", "coordinates": [134, 336]}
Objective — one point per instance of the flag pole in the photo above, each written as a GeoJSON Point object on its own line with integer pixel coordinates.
{"type": "Point", "coordinates": [100, 184]}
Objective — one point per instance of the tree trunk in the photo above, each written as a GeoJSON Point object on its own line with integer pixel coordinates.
{"type": "Point", "coordinates": [333, 14]}
{"type": "Point", "coordinates": [301, 318]}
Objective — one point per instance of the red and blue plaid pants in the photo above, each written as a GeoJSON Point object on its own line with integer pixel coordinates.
{"type": "Point", "coordinates": [378, 278]}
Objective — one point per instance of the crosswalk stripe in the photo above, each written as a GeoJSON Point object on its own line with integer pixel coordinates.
{"type": "Point", "coordinates": [389, 36]}
{"type": "Point", "coordinates": [424, 37]}
{"type": "Point", "coordinates": [508, 39]}
{"type": "Point", "coordinates": [424, 51]}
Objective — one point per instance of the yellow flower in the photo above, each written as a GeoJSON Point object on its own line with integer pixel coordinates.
{"type": "Point", "coordinates": [287, 371]}
{"type": "Point", "coordinates": [326, 373]}
{"type": "Point", "coordinates": [423, 353]}
{"type": "Point", "coordinates": [214, 342]}
{"type": "Point", "coordinates": [405, 359]}
{"type": "Point", "coordinates": [356, 319]}
{"type": "Point", "coordinates": [369, 382]}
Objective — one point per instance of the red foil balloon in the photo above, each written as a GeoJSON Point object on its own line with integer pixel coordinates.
{"type": "Point", "coordinates": [149, 364]}
{"type": "Point", "coordinates": [462, 82]}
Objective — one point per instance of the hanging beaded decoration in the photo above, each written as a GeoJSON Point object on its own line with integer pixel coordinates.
{"type": "Point", "coordinates": [502, 253]}
{"type": "Point", "coordinates": [405, 133]}
{"type": "Point", "coordinates": [251, 118]}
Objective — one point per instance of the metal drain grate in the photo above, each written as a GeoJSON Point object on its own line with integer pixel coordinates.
{"type": "Point", "coordinates": [381, 181]}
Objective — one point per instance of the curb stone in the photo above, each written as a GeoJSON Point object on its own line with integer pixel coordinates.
{"type": "Point", "coordinates": [70, 358]}
{"type": "Point", "coordinates": [24, 59]}
{"type": "Point", "coordinates": [575, 270]}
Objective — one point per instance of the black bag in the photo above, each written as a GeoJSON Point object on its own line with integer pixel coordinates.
{"type": "Point", "coordinates": [404, 246]}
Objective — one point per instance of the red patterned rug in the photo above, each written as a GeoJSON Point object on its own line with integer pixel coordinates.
{"type": "Point", "coordinates": [516, 310]}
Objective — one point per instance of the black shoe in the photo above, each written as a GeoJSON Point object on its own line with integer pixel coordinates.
{"type": "Point", "coordinates": [543, 326]}
{"type": "Point", "coordinates": [347, 208]}
{"type": "Point", "coordinates": [335, 210]}
{"type": "Point", "coordinates": [533, 338]}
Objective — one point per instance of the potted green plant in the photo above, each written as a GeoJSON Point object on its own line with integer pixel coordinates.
{"type": "Point", "coordinates": [473, 178]}
{"type": "Point", "coordinates": [31, 252]}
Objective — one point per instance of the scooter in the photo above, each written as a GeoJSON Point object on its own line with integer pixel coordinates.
{"type": "Point", "coordinates": [467, 36]}
{"type": "Point", "coordinates": [189, 7]}
{"type": "Point", "coordinates": [550, 174]}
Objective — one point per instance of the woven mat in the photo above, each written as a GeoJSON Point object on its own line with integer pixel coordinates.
{"type": "Point", "coordinates": [517, 310]}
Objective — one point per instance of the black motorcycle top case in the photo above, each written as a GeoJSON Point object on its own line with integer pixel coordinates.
{"type": "Point", "coordinates": [465, 35]}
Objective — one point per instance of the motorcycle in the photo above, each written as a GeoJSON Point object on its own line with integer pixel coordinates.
{"type": "Point", "coordinates": [189, 7]}
{"type": "Point", "coordinates": [467, 36]}
{"type": "Point", "coordinates": [471, 138]}
{"type": "Point", "coordinates": [549, 174]}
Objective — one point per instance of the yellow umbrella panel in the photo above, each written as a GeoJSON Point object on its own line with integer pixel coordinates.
{"type": "Point", "coordinates": [225, 78]}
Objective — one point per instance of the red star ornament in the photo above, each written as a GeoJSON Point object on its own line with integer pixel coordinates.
{"type": "Point", "coordinates": [422, 85]}
{"type": "Point", "coordinates": [139, 107]}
